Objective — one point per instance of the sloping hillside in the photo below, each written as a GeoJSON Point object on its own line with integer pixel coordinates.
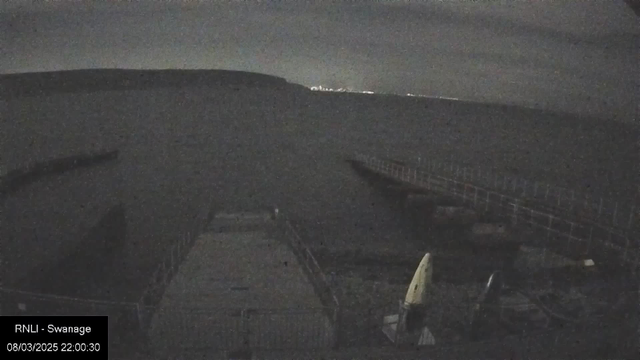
{"type": "Point", "coordinates": [32, 84]}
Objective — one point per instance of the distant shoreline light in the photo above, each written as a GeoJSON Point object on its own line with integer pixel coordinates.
{"type": "Point", "coordinates": [347, 90]}
{"type": "Point", "coordinates": [322, 88]}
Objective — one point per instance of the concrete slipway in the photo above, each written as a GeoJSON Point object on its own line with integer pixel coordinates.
{"type": "Point", "coordinates": [239, 288]}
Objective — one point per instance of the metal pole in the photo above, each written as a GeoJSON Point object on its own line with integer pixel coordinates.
{"type": "Point", "coordinates": [570, 237]}
{"type": "Point", "coordinates": [140, 316]}
{"type": "Point", "coordinates": [464, 193]}
{"type": "Point", "coordinates": [590, 238]}
{"type": "Point", "coordinates": [486, 208]}
{"type": "Point", "coordinates": [633, 209]}
{"type": "Point", "coordinates": [531, 217]}
{"type": "Point", "coordinates": [172, 261]}
{"type": "Point", "coordinates": [600, 208]}
{"type": "Point", "coordinates": [585, 208]}
{"type": "Point", "coordinates": [546, 194]}
{"type": "Point", "coordinates": [475, 198]}
{"type": "Point", "coordinates": [245, 326]}
{"type": "Point", "coordinates": [179, 246]}
{"type": "Point", "coordinates": [610, 241]}
{"type": "Point", "coordinates": [626, 249]}
{"type": "Point", "coordinates": [544, 249]}
{"type": "Point", "coordinates": [163, 273]}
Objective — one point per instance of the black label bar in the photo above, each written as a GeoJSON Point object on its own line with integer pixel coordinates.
{"type": "Point", "coordinates": [49, 336]}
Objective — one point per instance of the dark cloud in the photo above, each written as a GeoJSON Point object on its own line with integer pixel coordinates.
{"type": "Point", "coordinates": [455, 49]}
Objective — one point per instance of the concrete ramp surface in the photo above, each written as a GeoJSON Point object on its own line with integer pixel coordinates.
{"type": "Point", "coordinates": [236, 290]}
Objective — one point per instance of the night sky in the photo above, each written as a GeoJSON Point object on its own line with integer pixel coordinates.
{"type": "Point", "coordinates": [576, 56]}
